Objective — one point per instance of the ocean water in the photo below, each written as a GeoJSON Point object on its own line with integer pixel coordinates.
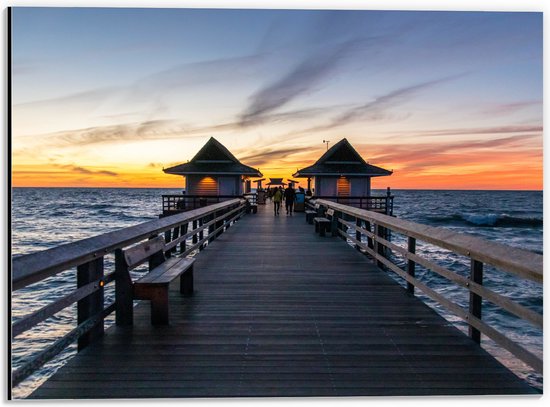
{"type": "Point", "coordinates": [47, 217]}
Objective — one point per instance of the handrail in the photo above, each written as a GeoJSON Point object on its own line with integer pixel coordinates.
{"type": "Point", "coordinates": [518, 262]}
{"type": "Point", "coordinates": [34, 267]}
{"type": "Point", "coordinates": [377, 203]}
{"type": "Point", "coordinates": [176, 203]}
{"type": "Point", "coordinates": [87, 256]}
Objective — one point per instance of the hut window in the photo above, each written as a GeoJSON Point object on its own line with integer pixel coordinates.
{"type": "Point", "coordinates": [343, 186]}
{"type": "Point", "coordinates": [207, 186]}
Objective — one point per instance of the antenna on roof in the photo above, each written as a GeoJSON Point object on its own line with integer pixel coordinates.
{"type": "Point", "coordinates": [326, 141]}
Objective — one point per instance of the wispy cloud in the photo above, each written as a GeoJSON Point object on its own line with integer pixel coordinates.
{"type": "Point", "coordinates": [421, 156]}
{"type": "Point", "coordinates": [503, 109]}
{"type": "Point", "coordinates": [378, 108]}
{"type": "Point", "coordinates": [461, 131]}
{"type": "Point", "coordinates": [298, 81]}
{"type": "Point", "coordinates": [81, 170]}
{"type": "Point", "coordinates": [261, 156]}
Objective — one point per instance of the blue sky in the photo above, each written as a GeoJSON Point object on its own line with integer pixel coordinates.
{"type": "Point", "coordinates": [108, 89]}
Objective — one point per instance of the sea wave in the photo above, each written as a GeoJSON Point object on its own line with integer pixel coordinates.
{"type": "Point", "coordinates": [490, 219]}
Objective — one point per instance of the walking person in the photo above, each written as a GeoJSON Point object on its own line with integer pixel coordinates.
{"type": "Point", "coordinates": [290, 197]}
{"type": "Point", "coordinates": [277, 198]}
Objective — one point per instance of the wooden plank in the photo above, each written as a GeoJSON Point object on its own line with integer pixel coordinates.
{"type": "Point", "coordinates": [151, 276]}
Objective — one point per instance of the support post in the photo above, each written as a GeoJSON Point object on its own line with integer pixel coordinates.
{"type": "Point", "coordinates": [123, 291]}
{"type": "Point", "coordinates": [411, 265]}
{"type": "Point", "coordinates": [168, 239]}
{"type": "Point", "coordinates": [92, 304]}
{"type": "Point", "coordinates": [389, 203]}
{"type": "Point", "coordinates": [476, 275]}
{"type": "Point", "coordinates": [211, 235]}
{"type": "Point", "coordinates": [195, 240]}
{"type": "Point", "coordinates": [175, 235]}
{"type": "Point", "coordinates": [219, 223]}
{"type": "Point", "coordinates": [378, 247]}
{"type": "Point", "coordinates": [358, 223]}
{"type": "Point", "coordinates": [370, 243]}
{"type": "Point", "coordinates": [183, 231]}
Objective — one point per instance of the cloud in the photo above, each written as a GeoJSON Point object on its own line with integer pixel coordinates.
{"type": "Point", "coordinates": [377, 108]}
{"type": "Point", "coordinates": [147, 130]}
{"type": "Point", "coordinates": [299, 80]}
{"type": "Point", "coordinates": [81, 170]}
{"type": "Point", "coordinates": [420, 156]}
{"type": "Point", "coordinates": [509, 108]}
{"type": "Point", "coordinates": [261, 156]}
{"type": "Point", "coordinates": [473, 131]}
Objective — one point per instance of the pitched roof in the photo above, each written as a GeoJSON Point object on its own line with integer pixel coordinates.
{"type": "Point", "coordinates": [213, 158]}
{"type": "Point", "coordinates": [342, 159]}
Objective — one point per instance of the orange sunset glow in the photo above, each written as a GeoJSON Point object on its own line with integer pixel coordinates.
{"type": "Point", "coordinates": [445, 100]}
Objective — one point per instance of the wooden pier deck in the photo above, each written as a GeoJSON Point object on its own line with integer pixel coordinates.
{"type": "Point", "coordinates": [280, 311]}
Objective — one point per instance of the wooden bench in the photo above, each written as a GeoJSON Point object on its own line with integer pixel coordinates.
{"type": "Point", "coordinates": [154, 285]}
{"type": "Point", "coordinates": [322, 223]}
{"type": "Point", "coordinates": [310, 214]}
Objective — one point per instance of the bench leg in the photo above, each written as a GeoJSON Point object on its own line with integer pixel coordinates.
{"type": "Point", "coordinates": [159, 306]}
{"type": "Point", "coordinates": [316, 227]}
{"type": "Point", "coordinates": [322, 229]}
{"type": "Point", "coordinates": [186, 283]}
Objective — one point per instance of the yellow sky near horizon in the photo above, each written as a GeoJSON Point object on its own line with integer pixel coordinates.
{"type": "Point", "coordinates": [447, 100]}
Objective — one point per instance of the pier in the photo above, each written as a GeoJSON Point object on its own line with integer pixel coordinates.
{"type": "Point", "coordinates": [278, 310]}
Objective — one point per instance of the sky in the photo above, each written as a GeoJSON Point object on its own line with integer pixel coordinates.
{"type": "Point", "coordinates": [110, 96]}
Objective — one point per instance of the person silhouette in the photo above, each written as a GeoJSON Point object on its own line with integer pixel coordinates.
{"type": "Point", "coordinates": [277, 198]}
{"type": "Point", "coordinates": [290, 197]}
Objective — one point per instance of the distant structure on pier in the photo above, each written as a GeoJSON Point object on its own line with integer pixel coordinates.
{"type": "Point", "coordinates": [214, 171]}
{"type": "Point", "coordinates": [341, 172]}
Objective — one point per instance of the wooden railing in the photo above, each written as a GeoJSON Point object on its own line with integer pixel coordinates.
{"type": "Point", "coordinates": [180, 203]}
{"type": "Point", "coordinates": [371, 234]}
{"type": "Point", "coordinates": [200, 226]}
{"type": "Point", "coordinates": [382, 204]}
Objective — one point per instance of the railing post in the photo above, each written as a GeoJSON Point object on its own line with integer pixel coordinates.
{"type": "Point", "coordinates": [183, 231]}
{"type": "Point", "coordinates": [93, 303]}
{"type": "Point", "coordinates": [168, 239]}
{"type": "Point", "coordinates": [123, 291]}
{"type": "Point", "coordinates": [379, 247]}
{"type": "Point", "coordinates": [358, 234]}
{"type": "Point", "coordinates": [195, 239]}
{"type": "Point", "coordinates": [370, 243]}
{"type": "Point", "coordinates": [219, 223]}
{"type": "Point", "coordinates": [476, 275]}
{"type": "Point", "coordinates": [411, 265]}
{"type": "Point", "coordinates": [175, 235]}
{"type": "Point", "coordinates": [211, 229]}
{"type": "Point", "coordinates": [201, 233]}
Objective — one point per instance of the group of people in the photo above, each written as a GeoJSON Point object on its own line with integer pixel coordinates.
{"type": "Point", "coordinates": [277, 195]}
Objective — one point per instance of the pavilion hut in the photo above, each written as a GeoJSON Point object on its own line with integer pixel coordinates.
{"type": "Point", "coordinates": [273, 182]}
{"type": "Point", "coordinates": [213, 172]}
{"type": "Point", "coordinates": [341, 173]}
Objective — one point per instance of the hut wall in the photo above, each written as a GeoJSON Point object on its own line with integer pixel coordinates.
{"type": "Point", "coordinates": [360, 186]}
{"type": "Point", "coordinates": [325, 186]}
{"type": "Point", "coordinates": [230, 185]}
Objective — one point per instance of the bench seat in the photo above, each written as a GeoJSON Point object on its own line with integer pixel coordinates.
{"type": "Point", "coordinates": [321, 225]}
{"type": "Point", "coordinates": [310, 214]}
{"type": "Point", "coordinates": [154, 286]}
